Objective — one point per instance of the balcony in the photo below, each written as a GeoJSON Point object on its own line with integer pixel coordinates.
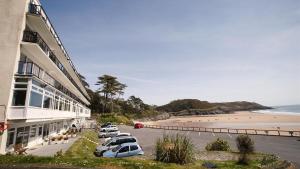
{"type": "Point", "coordinates": [40, 22]}
{"type": "Point", "coordinates": [31, 114]}
{"type": "Point", "coordinates": [36, 47]}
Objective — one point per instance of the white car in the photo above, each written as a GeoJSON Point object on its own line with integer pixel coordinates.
{"type": "Point", "coordinates": [124, 150]}
{"type": "Point", "coordinates": [108, 133]}
{"type": "Point", "coordinates": [109, 127]}
{"type": "Point", "coordinates": [114, 142]}
{"type": "Point", "coordinates": [118, 135]}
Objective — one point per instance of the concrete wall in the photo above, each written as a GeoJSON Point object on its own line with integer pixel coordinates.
{"type": "Point", "coordinates": [12, 21]}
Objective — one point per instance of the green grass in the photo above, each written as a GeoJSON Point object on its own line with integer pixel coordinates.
{"type": "Point", "coordinates": [124, 163]}
{"type": "Point", "coordinates": [83, 148]}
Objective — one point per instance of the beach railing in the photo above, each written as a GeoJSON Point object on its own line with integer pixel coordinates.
{"type": "Point", "coordinates": [229, 130]}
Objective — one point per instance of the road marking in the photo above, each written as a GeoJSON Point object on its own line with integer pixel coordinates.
{"type": "Point", "coordinates": [229, 135]}
{"type": "Point", "coordinates": [213, 134]}
{"type": "Point", "coordinates": [199, 133]}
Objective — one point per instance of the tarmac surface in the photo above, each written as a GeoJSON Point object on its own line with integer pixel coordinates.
{"type": "Point", "coordinates": [287, 148]}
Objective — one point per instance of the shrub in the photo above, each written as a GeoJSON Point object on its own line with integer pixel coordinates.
{"type": "Point", "coordinates": [218, 145]}
{"type": "Point", "coordinates": [118, 119]}
{"type": "Point", "coordinates": [59, 153]}
{"type": "Point", "coordinates": [175, 149]}
{"type": "Point", "coordinates": [245, 145]}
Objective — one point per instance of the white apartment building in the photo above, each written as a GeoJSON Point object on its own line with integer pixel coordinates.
{"type": "Point", "coordinates": [41, 93]}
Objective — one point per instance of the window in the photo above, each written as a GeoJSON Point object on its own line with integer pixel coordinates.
{"type": "Point", "coordinates": [124, 149]}
{"type": "Point", "coordinates": [116, 148]}
{"type": "Point", "coordinates": [56, 103]}
{"type": "Point", "coordinates": [134, 147]}
{"type": "Point", "coordinates": [19, 98]}
{"type": "Point", "coordinates": [40, 131]}
{"type": "Point", "coordinates": [36, 99]}
{"type": "Point", "coordinates": [33, 131]}
{"type": "Point", "coordinates": [22, 135]}
{"type": "Point", "coordinates": [10, 137]}
{"type": "Point", "coordinates": [61, 104]}
{"type": "Point", "coordinates": [47, 102]}
{"type": "Point", "coordinates": [19, 94]}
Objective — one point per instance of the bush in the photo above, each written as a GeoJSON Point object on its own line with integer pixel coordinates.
{"type": "Point", "coordinates": [218, 145]}
{"type": "Point", "coordinates": [118, 119]}
{"type": "Point", "coordinates": [245, 145]}
{"type": "Point", "coordinates": [175, 149]}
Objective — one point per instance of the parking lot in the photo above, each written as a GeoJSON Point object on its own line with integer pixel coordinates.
{"type": "Point", "coordinates": [287, 148]}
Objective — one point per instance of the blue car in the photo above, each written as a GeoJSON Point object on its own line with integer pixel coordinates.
{"type": "Point", "coordinates": [124, 150]}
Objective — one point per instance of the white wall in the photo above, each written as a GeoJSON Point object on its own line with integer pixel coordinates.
{"type": "Point", "coordinates": [12, 21]}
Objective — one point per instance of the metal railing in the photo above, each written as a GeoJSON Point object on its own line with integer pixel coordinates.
{"type": "Point", "coordinates": [290, 133]}
{"type": "Point", "coordinates": [29, 68]}
{"type": "Point", "coordinates": [34, 37]}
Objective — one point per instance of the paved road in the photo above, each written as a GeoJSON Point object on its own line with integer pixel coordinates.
{"type": "Point", "coordinates": [287, 148]}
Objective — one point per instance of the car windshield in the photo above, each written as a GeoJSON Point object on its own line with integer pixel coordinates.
{"type": "Point", "coordinates": [116, 148]}
{"type": "Point", "coordinates": [105, 143]}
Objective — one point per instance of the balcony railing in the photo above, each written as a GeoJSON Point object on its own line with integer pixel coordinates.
{"type": "Point", "coordinates": [29, 68]}
{"type": "Point", "coordinates": [38, 10]}
{"type": "Point", "coordinates": [34, 37]}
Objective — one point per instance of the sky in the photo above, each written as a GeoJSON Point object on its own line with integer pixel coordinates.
{"type": "Point", "coordinates": [214, 50]}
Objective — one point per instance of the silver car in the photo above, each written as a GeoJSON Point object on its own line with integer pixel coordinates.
{"type": "Point", "coordinates": [124, 150]}
{"type": "Point", "coordinates": [118, 135]}
{"type": "Point", "coordinates": [109, 133]}
{"type": "Point", "coordinates": [112, 143]}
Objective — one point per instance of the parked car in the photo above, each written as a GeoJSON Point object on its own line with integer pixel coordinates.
{"type": "Point", "coordinates": [118, 135]}
{"type": "Point", "coordinates": [112, 143]}
{"type": "Point", "coordinates": [108, 133]}
{"type": "Point", "coordinates": [138, 125]}
{"type": "Point", "coordinates": [109, 127]}
{"type": "Point", "coordinates": [106, 124]}
{"type": "Point", "coordinates": [124, 150]}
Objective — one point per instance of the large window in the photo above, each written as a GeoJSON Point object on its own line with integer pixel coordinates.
{"type": "Point", "coordinates": [35, 99]}
{"type": "Point", "coordinates": [47, 102]}
{"type": "Point", "coordinates": [33, 131]}
{"type": "Point", "coordinates": [19, 98]}
{"type": "Point", "coordinates": [36, 96]}
{"type": "Point", "coordinates": [10, 137]}
{"type": "Point", "coordinates": [22, 135]}
{"type": "Point", "coordinates": [19, 95]}
{"type": "Point", "coordinates": [56, 103]}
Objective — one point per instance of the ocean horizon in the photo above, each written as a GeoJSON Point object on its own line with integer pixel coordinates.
{"type": "Point", "coordinates": [286, 109]}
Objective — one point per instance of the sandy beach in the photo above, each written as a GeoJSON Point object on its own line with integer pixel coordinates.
{"type": "Point", "coordinates": [237, 120]}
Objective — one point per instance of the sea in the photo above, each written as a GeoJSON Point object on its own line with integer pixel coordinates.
{"type": "Point", "coordinates": [288, 109]}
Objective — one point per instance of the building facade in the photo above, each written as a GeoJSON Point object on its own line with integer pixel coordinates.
{"type": "Point", "coordinates": [41, 93]}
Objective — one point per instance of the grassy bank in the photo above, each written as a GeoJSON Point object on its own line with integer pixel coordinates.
{"type": "Point", "coordinates": [83, 148]}
{"type": "Point", "coordinates": [125, 163]}
{"type": "Point", "coordinates": [114, 118]}
{"type": "Point", "coordinates": [80, 154]}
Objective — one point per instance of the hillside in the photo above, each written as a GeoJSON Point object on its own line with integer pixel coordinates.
{"type": "Point", "coordinates": [197, 107]}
